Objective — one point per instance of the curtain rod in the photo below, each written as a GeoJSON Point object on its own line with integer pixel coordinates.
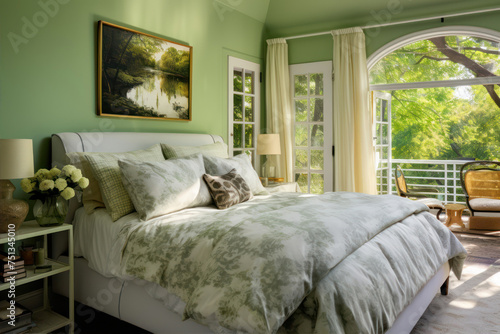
{"type": "Point", "coordinates": [402, 22]}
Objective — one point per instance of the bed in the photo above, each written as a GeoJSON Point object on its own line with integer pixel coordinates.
{"type": "Point", "coordinates": [149, 301]}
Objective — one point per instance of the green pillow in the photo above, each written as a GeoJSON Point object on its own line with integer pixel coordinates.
{"type": "Point", "coordinates": [107, 172]}
{"type": "Point", "coordinates": [214, 150]}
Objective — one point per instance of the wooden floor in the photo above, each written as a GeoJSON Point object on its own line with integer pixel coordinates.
{"type": "Point", "coordinates": [481, 249]}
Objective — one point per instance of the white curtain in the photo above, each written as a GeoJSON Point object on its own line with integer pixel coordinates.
{"type": "Point", "coordinates": [352, 115]}
{"type": "Point", "coordinates": [278, 109]}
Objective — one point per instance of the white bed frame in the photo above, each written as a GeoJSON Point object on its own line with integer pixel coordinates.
{"type": "Point", "coordinates": [129, 301]}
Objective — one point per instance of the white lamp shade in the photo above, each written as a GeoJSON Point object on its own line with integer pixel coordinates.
{"type": "Point", "coordinates": [16, 158]}
{"type": "Point", "coordinates": [268, 144]}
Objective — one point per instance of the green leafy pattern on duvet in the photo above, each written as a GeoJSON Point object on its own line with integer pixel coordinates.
{"type": "Point", "coordinates": [249, 267]}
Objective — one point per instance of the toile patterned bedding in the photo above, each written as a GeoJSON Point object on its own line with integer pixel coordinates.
{"type": "Point", "coordinates": [293, 263]}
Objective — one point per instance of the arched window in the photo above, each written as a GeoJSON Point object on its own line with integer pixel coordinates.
{"type": "Point", "coordinates": [442, 87]}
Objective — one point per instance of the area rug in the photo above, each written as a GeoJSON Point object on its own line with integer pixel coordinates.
{"type": "Point", "coordinates": [473, 303]}
{"type": "Point", "coordinates": [458, 229]}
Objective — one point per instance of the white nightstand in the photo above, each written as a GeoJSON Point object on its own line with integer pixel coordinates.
{"type": "Point", "coordinates": [280, 187]}
{"type": "Point", "coordinates": [46, 320]}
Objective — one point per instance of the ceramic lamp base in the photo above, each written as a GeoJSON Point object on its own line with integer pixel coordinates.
{"type": "Point", "coordinates": [12, 211]}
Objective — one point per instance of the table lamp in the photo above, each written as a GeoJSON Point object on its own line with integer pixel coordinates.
{"type": "Point", "coordinates": [16, 162]}
{"type": "Point", "coordinates": [268, 144]}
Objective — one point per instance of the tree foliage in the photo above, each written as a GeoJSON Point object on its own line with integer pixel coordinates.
{"type": "Point", "coordinates": [443, 123]}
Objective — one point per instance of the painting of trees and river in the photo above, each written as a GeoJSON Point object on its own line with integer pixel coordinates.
{"type": "Point", "coordinates": [141, 75]}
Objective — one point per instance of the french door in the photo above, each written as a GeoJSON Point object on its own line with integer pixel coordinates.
{"type": "Point", "coordinates": [381, 105]}
{"type": "Point", "coordinates": [243, 107]}
{"type": "Point", "coordinates": [311, 91]}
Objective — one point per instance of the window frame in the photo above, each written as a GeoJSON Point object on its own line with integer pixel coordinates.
{"type": "Point", "coordinates": [430, 33]}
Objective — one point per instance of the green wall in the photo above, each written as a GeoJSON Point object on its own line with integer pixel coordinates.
{"type": "Point", "coordinates": [49, 85]}
{"type": "Point", "coordinates": [320, 48]}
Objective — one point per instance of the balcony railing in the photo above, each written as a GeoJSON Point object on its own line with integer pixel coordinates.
{"type": "Point", "coordinates": [443, 175]}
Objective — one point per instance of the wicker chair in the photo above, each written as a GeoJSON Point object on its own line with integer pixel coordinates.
{"type": "Point", "coordinates": [418, 194]}
{"type": "Point", "coordinates": [481, 185]}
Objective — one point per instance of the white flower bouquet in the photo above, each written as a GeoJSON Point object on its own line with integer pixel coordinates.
{"type": "Point", "coordinates": [54, 182]}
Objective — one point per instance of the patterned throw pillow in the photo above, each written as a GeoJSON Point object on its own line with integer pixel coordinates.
{"type": "Point", "coordinates": [243, 166]}
{"type": "Point", "coordinates": [228, 189]}
{"type": "Point", "coordinates": [158, 188]}
{"type": "Point", "coordinates": [107, 172]}
{"type": "Point", "coordinates": [216, 150]}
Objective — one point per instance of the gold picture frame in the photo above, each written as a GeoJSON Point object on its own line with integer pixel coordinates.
{"type": "Point", "coordinates": [143, 76]}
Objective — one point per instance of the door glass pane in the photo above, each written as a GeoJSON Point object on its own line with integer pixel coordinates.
{"type": "Point", "coordinates": [238, 80]}
{"type": "Point", "coordinates": [385, 128]}
{"type": "Point", "coordinates": [248, 109]}
{"type": "Point", "coordinates": [316, 84]}
{"type": "Point", "coordinates": [300, 84]}
{"type": "Point", "coordinates": [317, 136]}
{"type": "Point", "coordinates": [317, 159]}
{"type": "Point", "coordinates": [237, 108]}
{"type": "Point", "coordinates": [317, 183]}
{"type": "Point", "coordinates": [316, 107]}
{"type": "Point", "coordinates": [385, 152]}
{"type": "Point", "coordinates": [237, 136]}
{"type": "Point", "coordinates": [249, 135]}
{"type": "Point", "coordinates": [300, 135]}
{"type": "Point", "coordinates": [301, 179]}
{"type": "Point", "coordinates": [249, 82]}
{"type": "Point", "coordinates": [378, 133]}
{"type": "Point", "coordinates": [301, 159]}
{"type": "Point", "coordinates": [384, 111]}
{"type": "Point", "coordinates": [378, 113]}
{"type": "Point", "coordinates": [300, 110]}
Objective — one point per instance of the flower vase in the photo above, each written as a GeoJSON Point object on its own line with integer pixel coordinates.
{"type": "Point", "coordinates": [51, 211]}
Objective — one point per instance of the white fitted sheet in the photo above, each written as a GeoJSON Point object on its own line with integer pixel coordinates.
{"type": "Point", "coordinates": [95, 235]}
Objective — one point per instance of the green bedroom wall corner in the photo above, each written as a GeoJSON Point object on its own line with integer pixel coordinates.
{"type": "Point", "coordinates": [48, 52]}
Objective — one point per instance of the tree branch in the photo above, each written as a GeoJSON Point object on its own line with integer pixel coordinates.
{"type": "Point", "coordinates": [404, 106]}
{"type": "Point", "coordinates": [432, 58]}
{"type": "Point", "coordinates": [470, 64]}
{"type": "Point", "coordinates": [491, 52]}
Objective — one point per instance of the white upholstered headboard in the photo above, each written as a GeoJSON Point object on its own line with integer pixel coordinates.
{"type": "Point", "coordinates": [65, 142]}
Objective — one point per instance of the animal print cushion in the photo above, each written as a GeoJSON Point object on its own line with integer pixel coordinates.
{"type": "Point", "coordinates": [228, 189]}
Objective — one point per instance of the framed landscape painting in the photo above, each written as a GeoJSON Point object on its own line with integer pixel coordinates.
{"type": "Point", "coordinates": [143, 76]}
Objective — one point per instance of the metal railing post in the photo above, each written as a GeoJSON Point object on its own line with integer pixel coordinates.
{"type": "Point", "coordinates": [446, 183]}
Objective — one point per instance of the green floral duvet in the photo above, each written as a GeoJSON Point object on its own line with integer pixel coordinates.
{"type": "Point", "coordinates": [294, 263]}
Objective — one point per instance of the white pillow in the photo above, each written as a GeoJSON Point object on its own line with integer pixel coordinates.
{"type": "Point", "coordinates": [243, 166]}
{"type": "Point", "coordinates": [158, 188]}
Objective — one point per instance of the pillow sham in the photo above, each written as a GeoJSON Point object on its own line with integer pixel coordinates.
{"type": "Point", "coordinates": [243, 166]}
{"type": "Point", "coordinates": [216, 149]}
{"type": "Point", "coordinates": [228, 189]}
{"type": "Point", "coordinates": [107, 172]}
{"type": "Point", "coordinates": [158, 188]}
{"type": "Point", "coordinates": [92, 198]}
